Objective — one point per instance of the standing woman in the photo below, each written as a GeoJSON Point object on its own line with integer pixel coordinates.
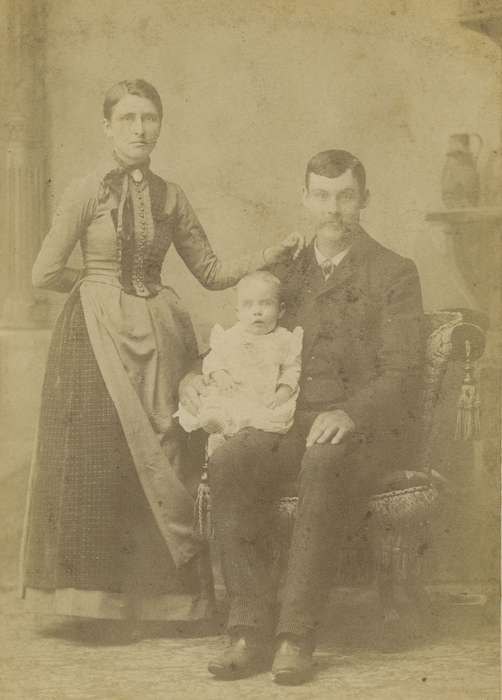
{"type": "Point", "coordinates": [109, 522]}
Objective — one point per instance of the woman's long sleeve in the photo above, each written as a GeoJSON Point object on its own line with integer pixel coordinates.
{"type": "Point", "coordinates": [50, 270]}
{"type": "Point", "coordinates": [194, 248]}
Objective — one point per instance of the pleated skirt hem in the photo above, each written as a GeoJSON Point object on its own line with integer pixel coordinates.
{"type": "Point", "coordinates": [117, 606]}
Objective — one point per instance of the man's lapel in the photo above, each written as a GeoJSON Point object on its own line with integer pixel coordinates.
{"type": "Point", "coordinates": [343, 276]}
{"type": "Point", "coordinates": [308, 281]}
{"type": "Point", "coordinates": [347, 268]}
{"type": "Point", "coordinates": [304, 285]}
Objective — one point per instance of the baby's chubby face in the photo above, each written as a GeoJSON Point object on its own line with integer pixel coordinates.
{"type": "Point", "coordinates": [258, 306]}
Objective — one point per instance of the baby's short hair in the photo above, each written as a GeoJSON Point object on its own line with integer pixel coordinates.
{"type": "Point", "coordinates": [266, 278]}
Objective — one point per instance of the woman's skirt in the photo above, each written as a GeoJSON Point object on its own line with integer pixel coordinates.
{"type": "Point", "coordinates": [92, 546]}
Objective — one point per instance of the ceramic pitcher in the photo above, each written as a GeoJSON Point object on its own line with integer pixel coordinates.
{"type": "Point", "coordinates": [460, 178]}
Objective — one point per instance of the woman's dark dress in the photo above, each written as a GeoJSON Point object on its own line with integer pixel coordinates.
{"type": "Point", "coordinates": [109, 521]}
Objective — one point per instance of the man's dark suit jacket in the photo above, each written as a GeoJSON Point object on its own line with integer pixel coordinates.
{"type": "Point", "coordinates": [363, 346]}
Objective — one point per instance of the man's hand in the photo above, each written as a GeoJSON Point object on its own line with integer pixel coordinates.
{"type": "Point", "coordinates": [190, 389]}
{"type": "Point", "coordinates": [290, 247]}
{"type": "Point", "coordinates": [330, 426]}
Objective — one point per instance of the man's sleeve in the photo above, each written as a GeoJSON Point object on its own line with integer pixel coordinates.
{"type": "Point", "coordinates": [292, 365]}
{"type": "Point", "coordinates": [400, 352]}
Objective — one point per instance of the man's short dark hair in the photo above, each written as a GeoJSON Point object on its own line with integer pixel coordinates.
{"type": "Point", "coordinates": [334, 163]}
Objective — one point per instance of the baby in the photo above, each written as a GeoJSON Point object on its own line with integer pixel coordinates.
{"type": "Point", "coordinates": [253, 368]}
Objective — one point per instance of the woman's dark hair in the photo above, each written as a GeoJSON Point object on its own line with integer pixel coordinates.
{"type": "Point", "coordinates": [131, 87]}
{"type": "Point", "coordinates": [334, 163]}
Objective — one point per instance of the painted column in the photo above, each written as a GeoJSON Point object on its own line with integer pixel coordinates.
{"type": "Point", "coordinates": [24, 219]}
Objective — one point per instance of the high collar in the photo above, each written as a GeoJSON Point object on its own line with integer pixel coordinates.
{"type": "Point", "coordinates": [356, 251]}
{"type": "Point", "coordinates": [112, 166]}
{"type": "Point", "coordinates": [111, 173]}
{"type": "Point", "coordinates": [308, 267]}
{"type": "Point", "coordinates": [334, 259]}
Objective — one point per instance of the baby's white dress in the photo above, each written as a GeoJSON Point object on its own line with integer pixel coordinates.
{"type": "Point", "coordinates": [258, 364]}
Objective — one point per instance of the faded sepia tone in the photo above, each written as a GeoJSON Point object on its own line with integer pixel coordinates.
{"type": "Point", "coordinates": [251, 90]}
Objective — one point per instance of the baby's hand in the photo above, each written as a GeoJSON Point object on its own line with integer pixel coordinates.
{"type": "Point", "coordinates": [282, 394]}
{"type": "Point", "coordinates": [223, 380]}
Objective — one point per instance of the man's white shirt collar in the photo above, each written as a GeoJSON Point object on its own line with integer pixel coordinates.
{"type": "Point", "coordinates": [335, 260]}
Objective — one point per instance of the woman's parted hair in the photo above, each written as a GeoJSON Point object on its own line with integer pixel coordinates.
{"type": "Point", "coordinates": [137, 87]}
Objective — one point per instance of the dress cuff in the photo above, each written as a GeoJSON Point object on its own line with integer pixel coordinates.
{"type": "Point", "coordinates": [65, 280]}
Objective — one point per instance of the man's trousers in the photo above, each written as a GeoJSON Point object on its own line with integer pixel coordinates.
{"type": "Point", "coordinates": [246, 474]}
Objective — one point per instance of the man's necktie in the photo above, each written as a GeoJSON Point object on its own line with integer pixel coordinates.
{"type": "Point", "coordinates": [327, 269]}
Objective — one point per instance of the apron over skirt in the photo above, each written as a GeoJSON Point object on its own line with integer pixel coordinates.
{"type": "Point", "coordinates": [109, 523]}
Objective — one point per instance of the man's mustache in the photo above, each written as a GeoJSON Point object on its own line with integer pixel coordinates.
{"type": "Point", "coordinates": [337, 223]}
{"type": "Point", "coordinates": [144, 142]}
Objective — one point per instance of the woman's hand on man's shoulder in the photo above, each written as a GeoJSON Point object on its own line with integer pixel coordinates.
{"type": "Point", "coordinates": [288, 249]}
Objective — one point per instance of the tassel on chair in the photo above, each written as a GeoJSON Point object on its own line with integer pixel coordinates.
{"type": "Point", "coordinates": [468, 406]}
{"type": "Point", "coordinates": [202, 511]}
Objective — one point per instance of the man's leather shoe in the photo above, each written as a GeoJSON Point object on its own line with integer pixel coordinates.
{"type": "Point", "coordinates": [293, 663]}
{"type": "Point", "coordinates": [246, 655]}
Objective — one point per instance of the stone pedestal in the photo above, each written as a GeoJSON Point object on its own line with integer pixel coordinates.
{"type": "Point", "coordinates": [474, 242]}
{"type": "Point", "coordinates": [24, 337]}
{"type": "Point", "coordinates": [474, 238]}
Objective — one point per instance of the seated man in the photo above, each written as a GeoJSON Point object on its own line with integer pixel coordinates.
{"type": "Point", "coordinates": [361, 310]}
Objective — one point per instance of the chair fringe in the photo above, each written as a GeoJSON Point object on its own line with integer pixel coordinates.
{"type": "Point", "coordinates": [469, 404]}
{"type": "Point", "coordinates": [203, 522]}
{"type": "Point", "coordinates": [400, 553]}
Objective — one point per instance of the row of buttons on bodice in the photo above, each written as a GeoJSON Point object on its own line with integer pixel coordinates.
{"type": "Point", "coordinates": [143, 231]}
